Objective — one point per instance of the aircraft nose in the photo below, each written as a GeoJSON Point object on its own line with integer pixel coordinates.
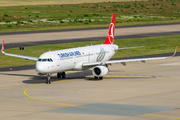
{"type": "Point", "coordinates": [40, 67]}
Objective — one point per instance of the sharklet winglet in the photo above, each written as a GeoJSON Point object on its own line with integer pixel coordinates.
{"type": "Point", "coordinates": [176, 50]}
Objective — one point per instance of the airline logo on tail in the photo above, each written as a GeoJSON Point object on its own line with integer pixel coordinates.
{"type": "Point", "coordinates": [110, 36]}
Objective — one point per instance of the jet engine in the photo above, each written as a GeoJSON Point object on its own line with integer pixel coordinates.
{"type": "Point", "coordinates": [99, 71]}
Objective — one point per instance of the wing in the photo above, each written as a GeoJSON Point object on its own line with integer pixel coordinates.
{"type": "Point", "coordinates": [19, 56]}
{"type": "Point", "coordinates": [127, 60]}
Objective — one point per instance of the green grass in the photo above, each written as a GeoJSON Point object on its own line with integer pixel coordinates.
{"type": "Point", "coordinates": [29, 17]}
{"type": "Point", "coordinates": [153, 45]}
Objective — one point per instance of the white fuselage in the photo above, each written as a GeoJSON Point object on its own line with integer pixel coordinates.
{"type": "Point", "coordinates": [73, 58]}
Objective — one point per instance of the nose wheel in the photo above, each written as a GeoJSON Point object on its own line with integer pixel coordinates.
{"type": "Point", "coordinates": [48, 80]}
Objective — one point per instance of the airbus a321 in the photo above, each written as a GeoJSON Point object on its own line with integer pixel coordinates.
{"type": "Point", "coordinates": [81, 58]}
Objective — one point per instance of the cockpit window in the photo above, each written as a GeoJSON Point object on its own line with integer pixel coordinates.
{"type": "Point", "coordinates": [39, 60]}
{"type": "Point", "coordinates": [43, 60]}
{"type": "Point", "coordinates": [46, 59]}
{"type": "Point", "coordinates": [50, 60]}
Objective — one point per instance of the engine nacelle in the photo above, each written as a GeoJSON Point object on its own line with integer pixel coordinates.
{"type": "Point", "coordinates": [100, 71]}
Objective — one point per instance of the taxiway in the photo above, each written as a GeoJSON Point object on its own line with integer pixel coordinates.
{"type": "Point", "coordinates": [137, 91]}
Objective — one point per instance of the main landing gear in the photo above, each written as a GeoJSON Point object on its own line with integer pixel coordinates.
{"type": "Point", "coordinates": [100, 78]}
{"type": "Point", "coordinates": [61, 75]}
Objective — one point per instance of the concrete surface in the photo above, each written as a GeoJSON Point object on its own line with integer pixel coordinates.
{"type": "Point", "coordinates": [87, 33]}
{"type": "Point", "coordinates": [137, 91]}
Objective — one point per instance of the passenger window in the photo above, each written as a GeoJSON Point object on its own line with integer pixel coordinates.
{"type": "Point", "coordinates": [44, 60]}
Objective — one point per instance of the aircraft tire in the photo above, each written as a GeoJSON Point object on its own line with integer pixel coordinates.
{"type": "Point", "coordinates": [59, 75]}
{"type": "Point", "coordinates": [95, 77]}
{"type": "Point", "coordinates": [47, 81]}
{"type": "Point", "coordinates": [100, 78]}
{"type": "Point", "coordinates": [63, 75]}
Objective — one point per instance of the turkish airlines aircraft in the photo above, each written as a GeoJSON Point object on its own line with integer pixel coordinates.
{"type": "Point", "coordinates": [81, 58]}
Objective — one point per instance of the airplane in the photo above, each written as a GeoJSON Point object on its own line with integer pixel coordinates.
{"type": "Point", "coordinates": [82, 58]}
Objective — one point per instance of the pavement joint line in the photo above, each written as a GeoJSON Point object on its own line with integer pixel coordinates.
{"type": "Point", "coordinates": [10, 99]}
{"type": "Point", "coordinates": [169, 79]}
{"type": "Point", "coordinates": [14, 87]}
{"type": "Point", "coordinates": [150, 70]}
{"type": "Point", "coordinates": [156, 115]}
{"type": "Point", "coordinates": [124, 76]}
{"type": "Point", "coordinates": [163, 116]}
{"type": "Point", "coordinates": [174, 117]}
{"type": "Point", "coordinates": [9, 83]}
{"type": "Point", "coordinates": [23, 100]}
{"type": "Point", "coordinates": [37, 102]}
{"type": "Point", "coordinates": [70, 105]}
{"type": "Point", "coordinates": [154, 80]}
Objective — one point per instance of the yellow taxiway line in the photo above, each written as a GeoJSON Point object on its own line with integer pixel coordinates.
{"type": "Point", "coordinates": [70, 105]}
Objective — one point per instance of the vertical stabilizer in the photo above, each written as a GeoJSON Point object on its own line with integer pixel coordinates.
{"type": "Point", "coordinates": [2, 49]}
{"type": "Point", "coordinates": [110, 36]}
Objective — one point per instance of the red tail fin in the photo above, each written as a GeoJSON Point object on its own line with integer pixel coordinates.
{"type": "Point", "coordinates": [110, 36]}
{"type": "Point", "coordinates": [2, 46]}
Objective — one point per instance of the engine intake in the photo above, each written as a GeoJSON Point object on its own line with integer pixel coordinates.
{"type": "Point", "coordinates": [100, 71]}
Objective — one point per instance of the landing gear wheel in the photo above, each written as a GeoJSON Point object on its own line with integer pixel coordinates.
{"type": "Point", "coordinates": [95, 77]}
{"type": "Point", "coordinates": [59, 75]}
{"type": "Point", "coordinates": [50, 82]}
{"type": "Point", "coordinates": [100, 78]}
{"type": "Point", "coordinates": [63, 75]}
{"type": "Point", "coordinates": [48, 79]}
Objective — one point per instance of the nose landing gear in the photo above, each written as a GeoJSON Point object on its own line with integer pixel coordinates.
{"type": "Point", "coordinates": [59, 75]}
{"type": "Point", "coordinates": [48, 80]}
